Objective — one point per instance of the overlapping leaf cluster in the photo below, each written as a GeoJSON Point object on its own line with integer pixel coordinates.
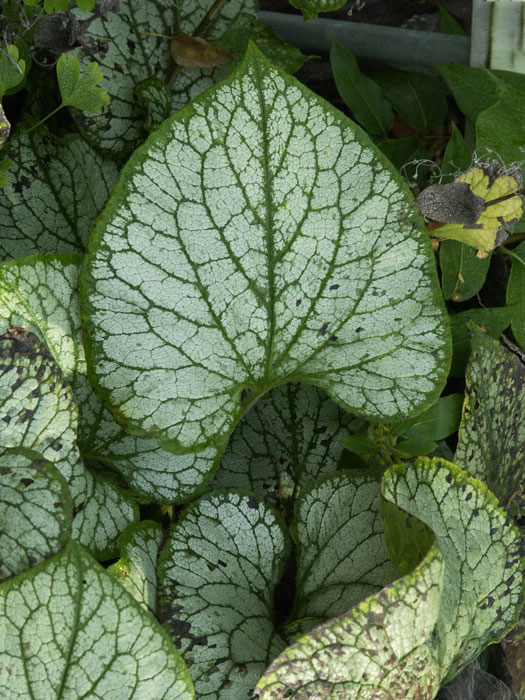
{"type": "Point", "coordinates": [257, 334]}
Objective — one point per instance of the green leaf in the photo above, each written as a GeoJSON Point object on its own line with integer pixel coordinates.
{"type": "Point", "coordinates": [491, 443]}
{"type": "Point", "coordinates": [415, 447]}
{"type": "Point", "coordinates": [463, 272]}
{"type": "Point", "coordinates": [55, 192]}
{"type": "Point", "coordinates": [457, 156]}
{"type": "Point", "coordinates": [378, 649]}
{"type": "Point", "coordinates": [359, 444]}
{"type": "Point", "coordinates": [156, 100]}
{"type": "Point", "coordinates": [493, 322]}
{"type": "Point", "coordinates": [80, 90]}
{"type": "Point", "coordinates": [342, 556]}
{"type": "Point", "coordinates": [311, 8]}
{"type": "Point", "coordinates": [39, 416]}
{"type": "Point", "coordinates": [224, 266]}
{"type": "Point", "coordinates": [407, 539]}
{"type": "Point", "coordinates": [516, 293]}
{"type": "Point", "coordinates": [86, 5]}
{"type": "Point", "coordinates": [127, 58]}
{"type": "Point", "coordinates": [436, 423]}
{"type": "Point", "coordinates": [474, 89]}
{"type": "Point", "coordinates": [513, 646]}
{"type": "Point", "coordinates": [41, 293]}
{"type": "Point", "coordinates": [483, 569]}
{"type": "Point", "coordinates": [448, 24]}
{"type": "Point", "coordinates": [501, 127]}
{"type": "Point", "coordinates": [289, 438]}
{"type": "Point", "coordinates": [5, 164]}
{"type": "Point", "coordinates": [35, 513]}
{"type": "Point", "coordinates": [217, 575]}
{"type": "Point", "coordinates": [362, 95]}
{"type": "Point", "coordinates": [55, 6]}
{"type": "Point", "coordinates": [137, 567]}
{"type": "Point", "coordinates": [12, 68]}
{"type": "Point", "coordinates": [419, 99]}
{"type": "Point", "coordinates": [245, 28]}
{"type": "Point", "coordinates": [52, 647]}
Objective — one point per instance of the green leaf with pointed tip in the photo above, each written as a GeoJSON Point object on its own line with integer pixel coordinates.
{"type": "Point", "coordinates": [39, 415]}
{"type": "Point", "coordinates": [78, 89]}
{"type": "Point", "coordinates": [41, 293]}
{"type": "Point", "coordinates": [481, 548]}
{"type": "Point", "coordinates": [342, 556]}
{"type": "Point", "coordinates": [516, 293]}
{"type": "Point", "coordinates": [491, 441]}
{"type": "Point", "coordinates": [493, 321]}
{"type": "Point", "coordinates": [362, 95]}
{"type": "Point", "coordinates": [52, 642]}
{"type": "Point", "coordinates": [436, 423]}
{"type": "Point", "coordinates": [378, 650]}
{"type": "Point", "coordinates": [56, 189]}
{"type": "Point", "coordinates": [12, 68]}
{"type": "Point", "coordinates": [311, 8]}
{"type": "Point", "coordinates": [288, 438]}
{"type": "Point", "coordinates": [35, 513]}
{"type": "Point", "coordinates": [457, 156]}
{"type": "Point", "coordinates": [137, 567]}
{"type": "Point", "coordinates": [463, 273]}
{"type": "Point", "coordinates": [217, 575]}
{"type": "Point", "coordinates": [156, 100]}
{"type": "Point", "coordinates": [259, 238]}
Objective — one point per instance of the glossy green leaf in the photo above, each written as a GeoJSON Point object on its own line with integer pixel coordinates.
{"type": "Point", "coordinates": [483, 575]}
{"type": "Point", "coordinates": [41, 293]}
{"type": "Point", "coordinates": [39, 415]}
{"type": "Point", "coordinates": [492, 320]}
{"type": "Point", "coordinates": [12, 68]}
{"type": "Point", "coordinates": [311, 8]}
{"type": "Point", "coordinates": [342, 556]}
{"type": "Point", "coordinates": [56, 189]}
{"type": "Point", "coordinates": [245, 28]}
{"type": "Point", "coordinates": [419, 99]}
{"type": "Point", "coordinates": [491, 442]}
{"type": "Point", "coordinates": [52, 642]}
{"type": "Point", "coordinates": [79, 89]}
{"type": "Point", "coordinates": [516, 293]}
{"type": "Point", "coordinates": [288, 438]}
{"type": "Point", "coordinates": [362, 95]}
{"type": "Point", "coordinates": [137, 567]}
{"type": "Point", "coordinates": [226, 265]}
{"type": "Point", "coordinates": [217, 575]}
{"type": "Point", "coordinates": [377, 650]}
{"type": "Point", "coordinates": [156, 100]}
{"type": "Point", "coordinates": [35, 513]}
{"type": "Point", "coordinates": [463, 272]}
{"type": "Point", "coordinates": [436, 423]}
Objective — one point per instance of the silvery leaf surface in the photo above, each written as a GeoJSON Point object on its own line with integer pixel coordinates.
{"type": "Point", "coordinates": [259, 238]}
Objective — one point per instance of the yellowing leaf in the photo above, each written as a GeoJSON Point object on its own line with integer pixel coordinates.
{"type": "Point", "coordinates": [498, 219]}
{"type": "Point", "coordinates": [194, 52]}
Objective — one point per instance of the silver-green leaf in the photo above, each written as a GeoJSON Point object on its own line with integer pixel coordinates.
{"type": "Point", "coordinates": [259, 238]}
{"type": "Point", "coordinates": [217, 576]}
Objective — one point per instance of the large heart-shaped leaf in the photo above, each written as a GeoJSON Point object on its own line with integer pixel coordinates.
{"type": "Point", "coordinates": [491, 442]}
{"type": "Point", "coordinates": [217, 575]}
{"type": "Point", "coordinates": [39, 416]}
{"type": "Point", "coordinates": [56, 190]}
{"type": "Point", "coordinates": [53, 645]}
{"type": "Point", "coordinates": [259, 238]}
{"type": "Point", "coordinates": [289, 438]}
{"type": "Point", "coordinates": [35, 513]}
{"type": "Point", "coordinates": [41, 294]}
{"type": "Point", "coordinates": [342, 555]}
{"type": "Point", "coordinates": [377, 651]}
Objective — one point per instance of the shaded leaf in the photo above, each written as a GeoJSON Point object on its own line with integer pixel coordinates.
{"type": "Point", "coordinates": [12, 68]}
{"type": "Point", "coordinates": [501, 126]}
{"type": "Point", "coordinates": [362, 95]}
{"type": "Point", "coordinates": [491, 442]}
{"type": "Point", "coordinates": [276, 271]}
{"type": "Point", "coordinates": [454, 203]}
{"type": "Point", "coordinates": [448, 24]}
{"type": "Point", "coordinates": [52, 646]}
{"type": "Point", "coordinates": [463, 273]}
{"type": "Point", "coordinates": [137, 567]}
{"type": "Point", "coordinates": [516, 293]}
{"type": "Point", "coordinates": [475, 684]}
{"type": "Point", "coordinates": [80, 89]}
{"type": "Point", "coordinates": [342, 556]}
{"type": "Point", "coordinates": [35, 513]}
{"type": "Point", "coordinates": [217, 575]}
{"type": "Point", "coordinates": [156, 100]}
{"type": "Point", "coordinates": [42, 294]}
{"type": "Point", "coordinates": [513, 646]}
{"type": "Point", "coordinates": [436, 423]}
{"type": "Point", "coordinates": [56, 189]}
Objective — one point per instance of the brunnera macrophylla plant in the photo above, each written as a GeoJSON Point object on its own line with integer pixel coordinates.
{"type": "Point", "coordinates": [258, 264]}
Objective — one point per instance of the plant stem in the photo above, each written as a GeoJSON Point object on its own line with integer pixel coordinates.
{"type": "Point", "coordinates": [511, 254]}
{"type": "Point", "coordinates": [38, 123]}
